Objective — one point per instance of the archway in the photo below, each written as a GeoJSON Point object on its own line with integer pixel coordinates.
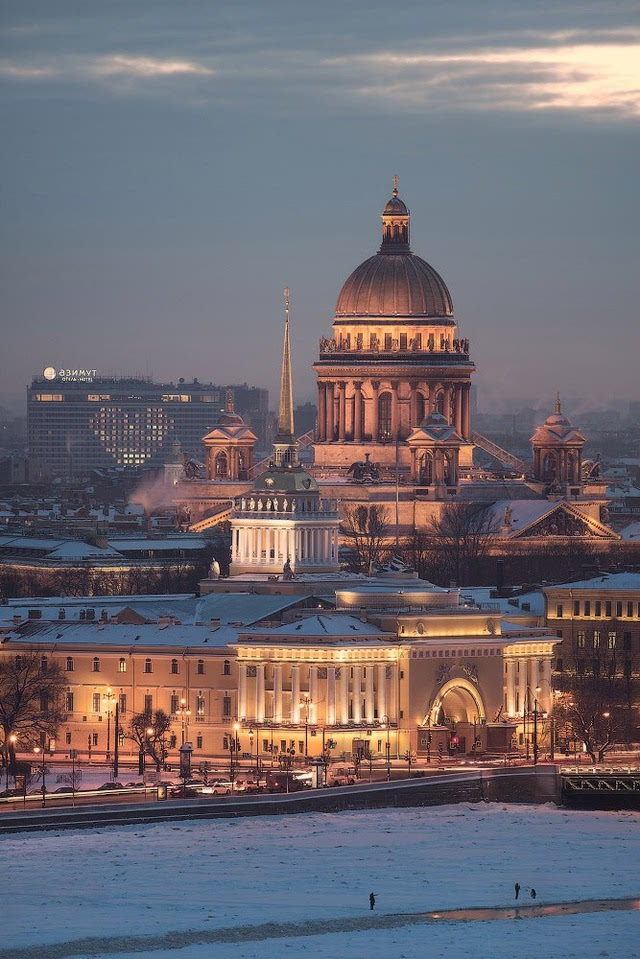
{"type": "Point", "coordinates": [222, 466]}
{"type": "Point", "coordinates": [458, 701]}
{"type": "Point", "coordinates": [426, 470]}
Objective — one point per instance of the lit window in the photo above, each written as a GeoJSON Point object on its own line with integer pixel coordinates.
{"type": "Point", "coordinates": [96, 665]}
{"type": "Point", "coordinates": [148, 666]}
{"type": "Point", "coordinates": [69, 664]}
{"type": "Point", "coordinates": [122, 665]}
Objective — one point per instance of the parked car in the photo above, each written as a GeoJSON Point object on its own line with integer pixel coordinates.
{"type": "Point", "coordinates": [282, 782]}
{"type": "Point", "coordinates": [249, 786]}
{"type": "Point", "coordinates": [64, 790]}
{"type": "Point", "coordinates": [220, 787]}
{"type": "Point", "coordinates": [107, 787]}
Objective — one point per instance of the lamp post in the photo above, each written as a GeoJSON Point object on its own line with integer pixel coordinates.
{"type": "Point", "coordinates": [306, 701]}
{"type": "Point", "coordinates": [535, 731]}
{"type": "Point", "coordinates": [387, 722]}
{"type": "Point", "coordinates": [234, 747]}
{"type": "Point", "coordinates": [37, 750]}
{"type": "Point", "coordinates": [184, 712]}
{"type": "Point", "coordinates": [251, 734]}
{"type": "Point", "coordinates": [10, 760]}
{"type": "Point", "coordinates": [109, 697]}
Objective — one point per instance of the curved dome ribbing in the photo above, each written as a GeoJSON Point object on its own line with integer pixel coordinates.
{"type": "Point", "coordinates": [398, 284]}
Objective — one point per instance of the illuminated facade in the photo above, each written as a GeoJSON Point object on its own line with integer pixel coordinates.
{"type": "Point", "coordinates": [395, 356]}
{"type": "Point", "coordinates": [398, 661]}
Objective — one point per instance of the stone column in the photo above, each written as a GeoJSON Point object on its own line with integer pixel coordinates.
{"type": "Point", "coordinates": [381, 690]}
{"type": "Point", "coordinates": [260, 693]}
{"type": "Point", "coordinates": [322, 412]}
{"type": "Point", "coordinates": [242, 691]}
{"type": "Point", "coordinates": [277, 693]}
{"type": "Point", "coordinates": [331, 696]}
{"type": "Point", "coordinates": [356, 694]}
{"type": "Point", "coordinates": [458, 410]}
{"type": "Point", "coordinates": [466, 412]}
{"type": "Point", "coordinates": [313, 693]}
{"type": "Point", "coordinates": [546, 692]}
{"type": "Point", "coordinates": [357, 412]}
{"type": "Point", "coordinates": [375, 386]}
{"type": "Point", "coordinates": [330, 411]}
{"type": "Point", "coordinates": [295, 694]}
{"type": "Point", "coordinates": [393, 695]}
{"type": "Point", "coordinates": [511, 687]}
{"type": "Point", "coordinates": [522, 686]}
{"type": "Point", "coordinates": [343, 718]}
{"type": "Point", "coordinates": [394, 411]}
{"type": "Point", "coordinates": [413, 405]}
{"type": "Point", "coordinates": [447, 402]}
{"type": "Point", "coordinates": [342, 413]}
{"type": "Point", "coordinates": [368, 694]}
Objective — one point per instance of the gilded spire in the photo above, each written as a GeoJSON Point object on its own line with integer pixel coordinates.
{"type": "Point", "coordinates": [558, 409]}
{"type": "Point", "coordinates": [285, 446]}
{"type": "Point", "coordinates": [395, 185]}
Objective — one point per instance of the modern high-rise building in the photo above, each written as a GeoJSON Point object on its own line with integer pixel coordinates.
{"type": "Point", "coordinates": [78, 420]}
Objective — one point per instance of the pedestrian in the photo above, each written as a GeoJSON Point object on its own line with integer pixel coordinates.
{"type": "Point", "coordinates": [533, 893]}
{"type": "Point", "coordinates": [517, 889]}
{"type": "Point", "coordinates": [372, 900]}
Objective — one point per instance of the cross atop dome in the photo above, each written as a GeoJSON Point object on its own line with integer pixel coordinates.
{"type": "Point", "coordinates": [395, 185]}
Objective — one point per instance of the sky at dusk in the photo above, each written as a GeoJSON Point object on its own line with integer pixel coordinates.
{"type": "Point", "coordinates": [169, 167]}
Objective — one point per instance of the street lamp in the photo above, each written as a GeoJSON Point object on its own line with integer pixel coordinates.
{"type": "Point", "coordinates": [10, 760]}
{"type": "Point", "coordinates": [37, 750]}
{"type": "Point", "coordinates": [184, 712]}
{"type": "Point", "coordinates": [387, 722]}
{"type": "Point", "coordinates": [234, 747]}
{"type": "Point", "coordinates": [306, 701]}
{"type": "Point", "coordinates": [251, 734]}
{"type": "Point", "coordinates": [109, 697]}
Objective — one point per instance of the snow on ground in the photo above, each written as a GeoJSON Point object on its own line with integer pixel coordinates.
{"type": "Point", "coordinates": [146, 880]}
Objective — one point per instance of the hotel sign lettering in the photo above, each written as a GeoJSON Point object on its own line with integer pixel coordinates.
{"type": "Point", "coordinates": [69, 376]}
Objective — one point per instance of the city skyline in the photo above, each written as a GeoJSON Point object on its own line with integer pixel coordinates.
{"type": "Point", "coordinates": [166, 180]}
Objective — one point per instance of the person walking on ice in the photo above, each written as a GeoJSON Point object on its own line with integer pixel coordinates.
{"type": "Point", "coordinates": [533, 893]}
{"type": "Point", "coordinates": [372, 900]}
{"type": "Point", "coordinates": [517, 889]}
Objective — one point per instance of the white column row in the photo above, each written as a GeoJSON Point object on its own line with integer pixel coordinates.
{"type": "Point", "coordinates": [343, 695]}
{"type": "Point", "coordinates": [532, 680]}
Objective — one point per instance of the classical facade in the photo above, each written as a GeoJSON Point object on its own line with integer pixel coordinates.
{"type": "Point", "coordinates": [396, 664]}
{"type": "Point", "coordinates": [394, 357]}
{"type": "Point", "coordinates": [229, 446]}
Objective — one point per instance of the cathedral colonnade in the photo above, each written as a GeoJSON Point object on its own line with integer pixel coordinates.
{"type": "Point", "coordinates": [383, 409]}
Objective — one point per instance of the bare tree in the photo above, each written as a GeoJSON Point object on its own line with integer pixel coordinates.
{"type": "Point", "coordinates": [463, 535]}
{"type": "Point", "coordinates": [367, 529]}
{"type": "Point", "coordinates": [31, 705]}
{"type": "Point", "coordinates": [149, 731]}
{"type": "Point", "coordinates": [591, 716]}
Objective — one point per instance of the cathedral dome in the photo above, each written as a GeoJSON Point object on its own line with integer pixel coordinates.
{"type": "Point", "coordinates": [395, 282]}
{"type": "Point", "coordinates": [230, 418]}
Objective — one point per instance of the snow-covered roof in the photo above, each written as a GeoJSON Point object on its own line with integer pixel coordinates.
{"type": "Point", "coordinates": [622, 581]}
{"type": "Point", "coordinates": [506, 604]}
{"type": "Point", "coordinates": [133, 635]}
{"type": "Point", "coordinates": [631, 532]}
{"type": "Point", "coordinates": [321, 626]}
{"type": "Point", "coordinates": [124, 544]}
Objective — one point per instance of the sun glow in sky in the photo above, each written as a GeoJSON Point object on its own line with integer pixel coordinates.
{"type": "Point", "coordinates": [169, 168]}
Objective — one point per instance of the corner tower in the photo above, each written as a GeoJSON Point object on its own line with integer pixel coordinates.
{"type": "Point", "coordinates": [395, 357]}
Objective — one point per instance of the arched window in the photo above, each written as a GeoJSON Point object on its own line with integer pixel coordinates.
{"type": "Point", "coordinates": [96, 664]}
{"type": "Point", "coordinates": [222, 466]}
{"type": "Point", "coordinates": [384, 416]}
{"type": "Point", "coordinates": [426, 470]}
{"type": "Point", "coordinates": [549, 467]}
{"type": "Point", "coordinates": [44, 664]}
{"type": "Point", "coordinates": [420, 409]}
{"type": "Point", "coordinates": [440, 404]}
{"type": "Point", "coordinates": [122, 665]}
{"type": "Point", "coordinates": [148, 666]}
{"type": "Point", "coordinates": [175, 669]}
{"type": "Point", "coordinates": [69, 664]}
{"type": "Point", "coordinates": [226, 669]}
{"type": "Point", "coordinates": [200, 667]}
{"type": "Point", "coordinates": [449, 470]}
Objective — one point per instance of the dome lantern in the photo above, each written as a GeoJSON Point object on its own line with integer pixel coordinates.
{"type": "Point", "coordinates": [395, 224]}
